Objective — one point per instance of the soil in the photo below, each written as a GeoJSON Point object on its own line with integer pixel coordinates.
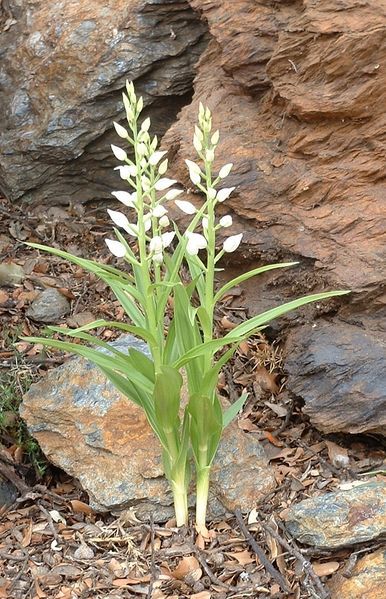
{"type": "Point", "coordinates": [52, 544]}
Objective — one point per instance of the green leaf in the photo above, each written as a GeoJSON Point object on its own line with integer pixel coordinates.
{"type": "Point", "coordinates": [118, 362]}
{"type": "Point", "coordinates": [205, 427]}
{"type": "Point", "coordinates": [127, 303]}
{"type": "Point", "coordinates": [231, 413]}
{"type": "Point", "coordinates": [207, 347]}
{"type": "Point", "coordinates": [210, 380]}
{"type": "Point", "coordinates": [247, 275]}
{"type": "Point", "coordinates": [140, 362]}
{"type": "Point", "coordinates": [167, 397]}
{"type": "Point", "coordinates": [137, 331]}
{"type": "Point", "coordinates": [245, 328]}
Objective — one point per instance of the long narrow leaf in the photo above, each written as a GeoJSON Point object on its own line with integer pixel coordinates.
{"type": "Point", "coordinates": [231, 413]}
{"type": "Point", "coordinates": [247, 275]}
{"type": "Point", "coordinates": [137, 331]}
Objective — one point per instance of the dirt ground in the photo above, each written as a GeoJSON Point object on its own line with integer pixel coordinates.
{"type": "Point", "coordinates": [52, 544]}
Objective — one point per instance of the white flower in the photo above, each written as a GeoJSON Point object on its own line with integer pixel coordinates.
{"type": "Point", "coordinates": [146, 124]}
{"type": "Point", "coordinates": [225, 170]}
{"type": "Point", "coordinates": [164, 184]}
{"type": "Point", "coordinates": [126, 171]}
{"type": "Point", "coordinates": [156, 157]}
{"type": "Point", "coordinates": [164, 221]}
{"type": "Point", "coordinates": [223, 194]}
{"type": "Point", "coordinates": [215, 138]}
{"type": "Point", "coordinates": [226, 221]}
{"type": "Point", "coordinates": [205, 222]}
{"type": "Point", "coordinates": [122, 221]}
{"type": "Point", "coordinates": [211, 193]}
{"type": "Point", "coordinates": [186, 207]}
{"type": "Point", "coordinates": [159, 211]}
{"type": "Point", "coordinates": [145, 183]}
{"type": "Point", "coordinates": [209, 155]}
{"type": "Point", "coordinates": [141, 149]}
{"type": "Point", "coordinates": [195, 243]}
{"type": "Point", "coordinates": [173, 193]}
{"type": "Point", "coordinates": [194, 172]}
{"type": "Point", "coordinates": [197, 144]}
{"type": "Point", "coordinates": [163, 167]}
{"type": "Point", "coordinates": [167, 238]}
{"type": "Point", "coordinates": [232, 243]}
{"type": "Point", "coordinates": [146, 222]}
{"type": "Point", "coordinates": [128, 199]}
{"type": "Point", "coordinates": [119, 153]}
{"type": "Point", "coordinates": [121, 131]}
{"type": "Point", "coordinates": [198, 133]}
{"type": "Point", "coordinates": [116, 247]}
{"type": "Point", "coordinates": [155, 245]}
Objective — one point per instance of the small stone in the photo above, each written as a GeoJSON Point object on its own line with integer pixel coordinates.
{"type": "Point", "coordinates": [11, 274]}
{"type": "Point", "coordinates": [50, 306]}
{"type": "Point", "coordinates": [341, 518]}
{"type": "Point", "coordinates": [94, 433]}
{"type": "Point", "coordinates": [8, 493]}
{"type": "Point", "coordinates": [84, 552]}
{"type": "Point", "coordinates": [367, 580]}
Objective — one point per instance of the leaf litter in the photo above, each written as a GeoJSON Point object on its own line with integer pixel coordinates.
{"type": "Point", "coordinates": [52, 544]}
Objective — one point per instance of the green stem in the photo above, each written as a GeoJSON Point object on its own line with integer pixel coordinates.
{"type": "Point", "coordinates": [202, 487]}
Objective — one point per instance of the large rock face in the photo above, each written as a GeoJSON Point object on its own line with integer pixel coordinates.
{"type": "Point", "coordinates": [298, 92]}
{"type": "Point", "coordinates": [64, 65]}
{"type": "Point", "coordinates": [94, 433]}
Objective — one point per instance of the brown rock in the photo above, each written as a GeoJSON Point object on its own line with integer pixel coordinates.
{"type": "Point", "coordinates": [63, 70]}
{"type": "Point", "coordinates": [95, 434]}
{"type": "Point", "coordinates": [341, 518]}
{"type": "Point", "coordinates": [367, 580]}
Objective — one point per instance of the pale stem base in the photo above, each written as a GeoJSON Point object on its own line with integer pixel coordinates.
{"type": "Point", "coordinates": [202, 497]}
{"type": "Point", "coordinates": [180, 499]}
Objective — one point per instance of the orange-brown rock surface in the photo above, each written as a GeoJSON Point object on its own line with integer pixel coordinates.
{"type": "Point", "coordinates": [367, 580]}
{"type": "Point", "coordinates": [298, 92]}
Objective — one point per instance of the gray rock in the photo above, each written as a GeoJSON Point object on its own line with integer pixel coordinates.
{"type": "Point", "coordinates": [11, 274]}
{"type": "Point", "coordinates": [50, 306]}
{"type": "Point", "coordinates": [95, 434]}
{"type": "Point", "coordinates": [8, 492]}
{"type": "Point", "coordinates": [341, 518]}
{"type": "Point", "coordinates": [339, 370]}
{"type": "Point", "coordinates": [63, 70]}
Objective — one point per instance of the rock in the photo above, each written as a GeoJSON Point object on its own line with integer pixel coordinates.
{"type": "Point", "coordinates": [91, 431]}
{"type": "Point", "coordinates": [11, 274]}
{"type": "Point", "coordinates": [50, 306]}
{"type": "Point", "coordinates": [339, 370]}
{"type": "Point", "coordinates": [63, 71]}
{"type": "Point", "coordinates": [8, 493]}
{"type": "Point", "coordinates": [367, 580]}
{"type": "Point", "coordinates": [289, 86]}
{"type": "Point", "coordinates": [341, 518]}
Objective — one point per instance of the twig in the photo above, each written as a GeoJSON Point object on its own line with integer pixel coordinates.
{"type": "Point", "coordinates": [153, 571]}
{"type": "Point", "coordinates": [50, 523]}
{"type": "Point", "coordinates": [261, 555]}
{"type": "Point", "coordinates": [208, 570]}
{"type": "Point", "coordinates": [307, 566]}
{"type": "Point", "coordinates": [11, 475]}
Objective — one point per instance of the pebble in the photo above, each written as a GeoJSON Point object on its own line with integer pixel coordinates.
{"type": "Point", "coordinates": [50, 306]}
{"type": "Point", "coordinates": [11, 274]}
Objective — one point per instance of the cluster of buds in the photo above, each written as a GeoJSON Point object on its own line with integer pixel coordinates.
{"type": "Point", "coordinates": [151, 188]}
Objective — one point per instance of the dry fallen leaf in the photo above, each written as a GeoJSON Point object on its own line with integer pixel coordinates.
{"type": "Point", "coordinates": [326, 568]}
{"type": "Point", "coordinates": [338, 455]}
{"type": "Point", "coordinates": [81, 507]}
{"type": "Point", "coordinates": [201, 595]}
{"type": "Point", "coordinates": [267, 380]}
{"type": "Point", "coordinates": [188, 566]}
{"type": "Point", "coordinates": [242, 557]}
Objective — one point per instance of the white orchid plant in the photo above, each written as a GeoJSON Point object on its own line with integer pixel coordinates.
{"type": "Point", "coordinates": [150, 286]}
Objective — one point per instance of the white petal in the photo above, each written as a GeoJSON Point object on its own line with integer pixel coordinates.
{"type": "Point", "coordinates": [118, 218]}
{"type": "Point", "coordinates": [159, 211]}
{"type": "Point", "coordinates": [194, 177]}
{"type": "Point", "coordinates": [164, 184]}
{"type": "Point", "coordinates": [173, 193]}
{"type": "Point", "coordinates": [215, 138]}
{"type": "Point", "coordinates": [141, 149]}
{"type": "Point", "coordinates": [225, 170]}
{"type": "Point", "coordinates": [164, 221]}
{"type": "Point", "coordinates": [156, 157]}
{"type": "Point", "coordinates": [146, 124]}
{"type": "Point", "coordinates": [126, 171]}
{"type": "Point", "coordinates": [232, 243]}
{"type": "Point", "coordinates": [116, 247]}
{"type": "Point", "coordinates": [226, 221]}
{"type": "Point", "coordinates": [158, 258]}
{"type": "Point", "coordinates": [211, 193]}
{"type": "Point", "coordinates": [121, 131]}
{"type": "Point", "coordinates": [167, 238]}
{"type": "Point", "coordinates": [205, 222]}
{"type": "Point", "coordinates": [192, 166]}
{"type": "Point", "coordinates": [163, 167]}
{"type": "Point", "coordinates": [223, 194]}
{"type": "Point", "coordinates": [209, 155]}
{"type": "Point", "coordinates": [128, 199]}
{"type": "Point", "coordinates": [119, 153]}
{"type": "Point", "coordinates": [186, 207]}
{"type": "Point", "coordinates": [155, 244]}
{"type": "Point", "coordinates": [195, 243]}
{"type": "Point", "coordinates": [197, 144]}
